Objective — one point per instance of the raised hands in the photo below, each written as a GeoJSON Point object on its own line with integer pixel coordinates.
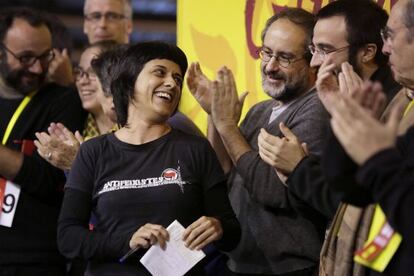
{"type": "Point", "coordinates": [202, 232]}
{"type": "Point", "coordinates": [349, 81]}
{"type": "Point", "coordinates": [200, 86]}
{"type": "Point", "coordinates": [223, 89]}
{"type": "Point", "coordinates": [59, 146]}
{"type": "Point", "coordinates": [330, 81]}
{"type": "Point", "coordinates": [285, 153]}
{"type": "Point", "coordinates": [60, 68]}
{"type": "Point", "coordinates": [359, 132]}
{"type": "Point", "coordinates": [327, 81]}
{"type": "Point", "coordinates": [226, 105]}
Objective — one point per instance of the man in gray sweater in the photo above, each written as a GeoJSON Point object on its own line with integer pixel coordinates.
{"type": "Point", "coordinates": [281, 234]}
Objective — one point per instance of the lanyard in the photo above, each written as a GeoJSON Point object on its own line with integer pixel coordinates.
{"type": "Point", "coordinates": [16, 116]}
{"type": "Point", "coordinates": [409, 106]}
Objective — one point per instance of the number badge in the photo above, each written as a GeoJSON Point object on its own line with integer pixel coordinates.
{"type": "Point", "coordinates": [9, 196]}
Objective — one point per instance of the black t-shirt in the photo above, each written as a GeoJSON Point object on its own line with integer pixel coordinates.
{"type": "Point", "coordinates": [7, 108]}
{"type": "Point", "coordinates": [32, 238]}
{"type": "Point", "coordinates": [156, 182]}
{"type": "Point", "coordinates": [130, 185]}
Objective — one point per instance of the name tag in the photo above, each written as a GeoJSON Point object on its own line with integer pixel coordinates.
{"type": "Point", "coordinates": [9, 196]}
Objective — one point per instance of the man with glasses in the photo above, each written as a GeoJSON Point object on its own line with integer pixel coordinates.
{"type": "Point", "coordinates": [30, 189]}
{"type": "Point", "coordinates": [281, 235]}
{"type": "Point", "coordinates": [107, 20]}
{"type": "Point", "coordinates": [349, 31]}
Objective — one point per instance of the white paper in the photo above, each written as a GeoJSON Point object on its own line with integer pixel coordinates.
{"type": "Point", "coordinates": [176, 259]}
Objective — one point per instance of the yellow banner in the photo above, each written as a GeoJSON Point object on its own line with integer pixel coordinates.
{"type": "Point", "coordinates": [217, 33]}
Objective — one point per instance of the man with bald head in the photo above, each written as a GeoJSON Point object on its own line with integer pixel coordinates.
{"type": "Point", "coordinates": [30, 189]}
{"type": "Point", "coordinates": [107, 20]}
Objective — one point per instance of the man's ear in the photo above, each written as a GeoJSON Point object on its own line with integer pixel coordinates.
{"type": "Point", "coordinates": [368, 52]}
{"type": "Point", "coordinates": [129, 26]}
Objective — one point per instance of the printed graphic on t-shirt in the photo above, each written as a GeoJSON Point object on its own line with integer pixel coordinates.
{"type": "Point", "coordinates": [168, 176]}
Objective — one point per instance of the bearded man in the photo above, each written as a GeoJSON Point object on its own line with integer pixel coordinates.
{"type": "Point", "coordinates": [281, 234]}
{"type": "Point", "coordinates": [31, 190]}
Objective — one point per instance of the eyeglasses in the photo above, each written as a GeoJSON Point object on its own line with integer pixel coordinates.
{"type": "Point", "coordinates": [109, 16]}
{"type": "Point", "coordinates": [284, 62]}
{"type": "Point", "coordinates": [387, 34]}
{"type": "Point", "coordinates": [314, 50]}
{"type": "Point", "coordinates": [79, 73]}
{"type": "Point", "coordinates": [29, 60]}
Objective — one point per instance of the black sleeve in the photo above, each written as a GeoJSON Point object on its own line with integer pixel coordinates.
{"type": "Point", "coordinates": [340, 173]}
{"type": "Point", "coordinates": [36, 176]}
{"type": "Point", "coordinates": [75, 240]}
{"type": "Point", "coordinates": [308, 183]}
{"type": "Point", "coordinates": [217, 205]}
{"type": "Point", "coordinates": [39, 178]}
{"type": "Point", "coordinates": [389, 175]}
{"type": "Point", "coordinates": [216, 201]}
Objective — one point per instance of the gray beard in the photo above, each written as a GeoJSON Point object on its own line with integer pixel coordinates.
{"type": "Point", "coordinates": [286, 95]}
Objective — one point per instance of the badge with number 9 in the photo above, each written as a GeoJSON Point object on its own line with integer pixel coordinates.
{"type": "Point", "coordinates": [9, 196]}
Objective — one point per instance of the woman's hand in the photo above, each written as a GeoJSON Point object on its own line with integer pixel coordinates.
{"type": "Point", "coordinates": [58, 147]}
{"type": "Point", "coordinates": [202, 232]}
{"type": "Point", "coordinates": [148, 235]}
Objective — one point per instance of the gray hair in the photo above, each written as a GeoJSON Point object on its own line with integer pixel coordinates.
{"type": "Point", "coordinates": [127, 8]}
{"type": "Point", "coordinates": [300, 17]}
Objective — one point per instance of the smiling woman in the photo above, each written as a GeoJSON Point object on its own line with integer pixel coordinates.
{"type": "Point", "coordinates": [148, 69]}
{"type": "Point", "coordinates": [86, 83]}
{"type": "Point", "coordinates": [144, 176]}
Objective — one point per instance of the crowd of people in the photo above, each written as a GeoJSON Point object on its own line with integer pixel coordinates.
{"type": "Point", "coordinates": [314, 181]}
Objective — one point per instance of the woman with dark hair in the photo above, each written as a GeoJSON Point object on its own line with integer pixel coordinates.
{"type": "Point", "coordinates": [59, 146]}
{"type": "Point", "coordinates": [144, 176]}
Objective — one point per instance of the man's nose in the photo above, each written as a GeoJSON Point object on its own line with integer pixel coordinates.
{"type": "Point", "coordinates": [36, 67]}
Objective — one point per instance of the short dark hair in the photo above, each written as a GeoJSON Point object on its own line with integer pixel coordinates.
{"type": "Point", "coordinates": [131, 64]}
{"type": "Point", "coordinates": [300, 17]}
{"type": "Point", "coordinates": [7, 16]}
{"type": "Point", "coordinates": [105, 61]}
{"type": "Point", "coordinates": [408, 19]}
{"type": "Point", "coordinates": [61, 36]}
{"type": "Point", "coordinates": [364, 20]}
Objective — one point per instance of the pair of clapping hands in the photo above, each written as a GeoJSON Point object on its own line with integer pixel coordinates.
{"type": "Point", "coordinates": [218, 98]}
{"type": "Point", "coordinates": [58, 145]}
{"type": "Point", "coordinates": [199, 234]}
{"type": "Point", "coordinates": [355, 107]}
